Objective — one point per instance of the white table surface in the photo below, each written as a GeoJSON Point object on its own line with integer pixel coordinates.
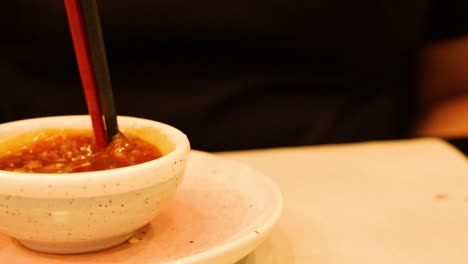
{"type": "Point", "coordinates": [378, 202]}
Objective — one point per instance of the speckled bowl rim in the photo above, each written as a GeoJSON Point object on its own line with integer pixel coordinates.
{"type": "Point", "coordinates": [30, 184]}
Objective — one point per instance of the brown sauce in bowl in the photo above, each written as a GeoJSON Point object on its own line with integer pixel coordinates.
{"type": "Point", "coordinates": [77, 152]}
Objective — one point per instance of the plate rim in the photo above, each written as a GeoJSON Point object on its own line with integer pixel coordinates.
{"type": "Point", "coordinates": [264, 228]}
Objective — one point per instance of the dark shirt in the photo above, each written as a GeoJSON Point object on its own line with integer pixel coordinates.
{"type": "Point", "coordinates": [235, 74]}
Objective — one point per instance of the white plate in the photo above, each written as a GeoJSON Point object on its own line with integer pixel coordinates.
{"type": "Point", "coordinates": [222, 212]}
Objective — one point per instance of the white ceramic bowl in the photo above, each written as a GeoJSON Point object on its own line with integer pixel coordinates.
{"type": "Point", "coordinates": [89, 211]}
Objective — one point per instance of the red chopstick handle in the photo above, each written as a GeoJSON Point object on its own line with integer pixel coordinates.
{"type": "Point", "coordinates": [80, 43]}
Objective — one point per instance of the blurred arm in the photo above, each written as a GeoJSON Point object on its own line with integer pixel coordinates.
{"type": "Point", "coordinates": [443, 90]}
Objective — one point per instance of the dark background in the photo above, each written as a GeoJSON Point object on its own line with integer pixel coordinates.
{"type": "Point", "coordinates": [234, 74]}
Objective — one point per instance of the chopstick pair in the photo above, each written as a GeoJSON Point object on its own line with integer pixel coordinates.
{"type": "Point", "coordinates": [88, 42]}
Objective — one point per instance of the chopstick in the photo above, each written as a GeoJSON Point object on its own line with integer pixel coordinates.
{"type": "Point", "coordinates": [85, 27]}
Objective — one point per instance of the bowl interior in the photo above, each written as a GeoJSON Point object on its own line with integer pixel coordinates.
{"type": "Point", "coordinates": [173, 144]}
{"type": "Point", "coordinates": [15, 135]}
